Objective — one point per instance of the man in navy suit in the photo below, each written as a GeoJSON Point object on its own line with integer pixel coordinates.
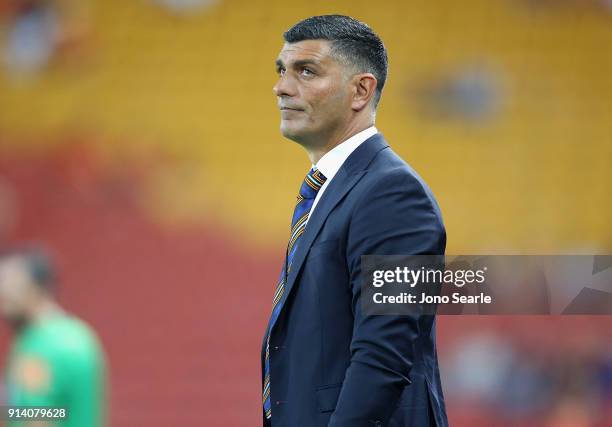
{"type": "Point", "coordinates": [324, 361]}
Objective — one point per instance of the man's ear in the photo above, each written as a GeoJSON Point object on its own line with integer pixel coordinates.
{"type": "Point", "coordinates": [364, 90]}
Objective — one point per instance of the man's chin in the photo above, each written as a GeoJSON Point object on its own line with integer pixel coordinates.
{"type": "Point", "coordinates": [289, 131]}
{"type": "Point", "coordinates": [16, 323]}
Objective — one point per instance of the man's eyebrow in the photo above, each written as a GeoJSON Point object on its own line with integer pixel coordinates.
{"type": "Point", "coordinates": [298, 63]}
{"type": "Point", "coordinates": [302, 62]}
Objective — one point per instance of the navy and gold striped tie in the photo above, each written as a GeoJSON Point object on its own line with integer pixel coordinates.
{"type": "Point", "coordinates": [310, 187]}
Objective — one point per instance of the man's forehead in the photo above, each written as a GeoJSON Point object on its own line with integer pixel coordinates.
{"type": "Point", "coordinates": [316, 50]}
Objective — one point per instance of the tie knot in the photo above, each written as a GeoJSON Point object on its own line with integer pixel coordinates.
{"type": "Point", "coordinates": [312, 184]}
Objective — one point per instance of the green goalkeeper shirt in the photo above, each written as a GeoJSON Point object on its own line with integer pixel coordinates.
{"type": "Point", "coordinates": [58, 362]}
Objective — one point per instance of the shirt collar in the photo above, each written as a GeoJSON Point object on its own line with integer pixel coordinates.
{"type": "Point", "coordinates": [331, 161]}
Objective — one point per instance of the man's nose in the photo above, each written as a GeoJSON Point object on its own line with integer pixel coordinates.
{"type": "Point", "coordinates": [284, 87]}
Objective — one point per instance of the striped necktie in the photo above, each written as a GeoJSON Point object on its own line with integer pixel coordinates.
{"type": "Point", "coordinates": [310, 187]}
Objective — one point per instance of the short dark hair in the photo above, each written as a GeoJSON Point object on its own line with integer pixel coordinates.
{"type": "Point", "coordinates": [352, 40]}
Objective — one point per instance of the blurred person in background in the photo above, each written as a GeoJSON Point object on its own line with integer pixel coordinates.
{"type": "Point", "coordinates": [56, 360]}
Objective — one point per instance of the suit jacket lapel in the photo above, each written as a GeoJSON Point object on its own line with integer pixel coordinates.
{"type": "Point", "coordinates": [347, 176]}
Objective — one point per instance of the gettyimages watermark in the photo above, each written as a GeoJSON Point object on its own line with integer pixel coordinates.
{"type": "Point", "coordinates": [495, 284]}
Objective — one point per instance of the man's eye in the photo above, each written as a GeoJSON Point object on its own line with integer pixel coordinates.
{"type": "Point", "coordinates": [307, 72]}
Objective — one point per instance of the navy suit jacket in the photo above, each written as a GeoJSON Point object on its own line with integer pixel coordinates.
{"type": "Point", "coordinates": [331, 365]}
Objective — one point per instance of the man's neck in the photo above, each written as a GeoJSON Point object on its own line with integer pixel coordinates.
{"type": "Point", "coordinates": [35, 315]}
{"type": "Point", "coordinates": [316, 152]}
{"type": "Point", "coordinates": [44, 309]}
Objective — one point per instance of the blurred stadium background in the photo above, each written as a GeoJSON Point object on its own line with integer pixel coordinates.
{"type": "Point", "coordinates": [128, 129]}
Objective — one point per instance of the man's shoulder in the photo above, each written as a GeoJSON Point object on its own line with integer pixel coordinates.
{"type": "Point", "coordinates": [388, 173]}
{"type": "Point", "coordinates": [388, 168]}
{"type": "Point", "coordinates": [67, 337]}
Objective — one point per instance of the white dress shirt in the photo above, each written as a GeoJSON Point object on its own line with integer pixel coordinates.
{"type": "Point", "coordinates": [331, 162]}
